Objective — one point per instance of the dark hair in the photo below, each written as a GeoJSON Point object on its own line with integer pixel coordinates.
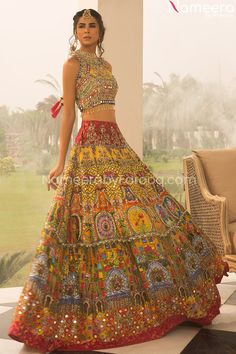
{"type": "Point", "coordinates": [102, 29]}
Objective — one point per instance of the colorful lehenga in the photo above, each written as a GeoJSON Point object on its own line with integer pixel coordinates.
{"type": "Point", "coordinates": [120, 260]}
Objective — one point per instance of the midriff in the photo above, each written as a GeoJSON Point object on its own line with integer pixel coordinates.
{"type": "Point", "coordinates": [100, 112]}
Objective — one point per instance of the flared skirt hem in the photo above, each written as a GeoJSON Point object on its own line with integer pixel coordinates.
{"type": "Point", "coordinates": [152, 333]}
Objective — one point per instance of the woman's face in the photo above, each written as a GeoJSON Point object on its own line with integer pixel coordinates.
{"type": "Point", "coordinates": [87, 28]}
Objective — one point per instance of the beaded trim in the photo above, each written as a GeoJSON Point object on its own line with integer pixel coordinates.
{"type": "Point", "coordinates": [100, 107]}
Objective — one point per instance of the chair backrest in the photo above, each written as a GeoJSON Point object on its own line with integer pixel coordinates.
{"type": "Point", "coordinates": [219, 166]}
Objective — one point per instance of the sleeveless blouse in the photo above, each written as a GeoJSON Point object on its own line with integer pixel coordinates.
{"type": "Point", "coordinates": [95, 83]}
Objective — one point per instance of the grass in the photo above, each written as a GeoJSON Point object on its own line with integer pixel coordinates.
{"type": "Point", "coordinates": [170, 175]}
{"type": "Point", "coordinates": [24, 204]}
{"type": "Point", "coordinates": [173, 166]}
{"type": "Point", "coordinates": [25, 201]}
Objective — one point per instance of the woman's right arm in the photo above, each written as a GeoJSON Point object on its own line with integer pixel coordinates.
{"type": "Point", "coordinates": [70, 72]}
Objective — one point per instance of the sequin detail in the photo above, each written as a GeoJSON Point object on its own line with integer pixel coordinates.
{"type": "Point", "coordinates": [96, 86]}
{"type": "Point", "coordinates": [118, 262]}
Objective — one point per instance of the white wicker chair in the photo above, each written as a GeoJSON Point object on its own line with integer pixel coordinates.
{"type": "Point", "coordinates": [209, 211]}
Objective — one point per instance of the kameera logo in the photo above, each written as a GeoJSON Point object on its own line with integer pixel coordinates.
{"type": "Point", "coordinates": [173, 5]}
{"type": "Point", "coordinates": [201, 7]}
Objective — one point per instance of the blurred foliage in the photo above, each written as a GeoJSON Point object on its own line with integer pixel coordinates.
{"type": "Point", "coordinates": [11, 263]}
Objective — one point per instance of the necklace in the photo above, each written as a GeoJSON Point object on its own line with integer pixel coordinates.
{"type": "Point", "coordinates": [87, 54]}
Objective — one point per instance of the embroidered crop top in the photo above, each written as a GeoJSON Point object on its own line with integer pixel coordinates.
{"type": "Point", "coordinates": [95, 83]}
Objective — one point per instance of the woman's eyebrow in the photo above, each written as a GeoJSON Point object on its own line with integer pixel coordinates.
{"type": "Point", "coordinates": [90, 23]}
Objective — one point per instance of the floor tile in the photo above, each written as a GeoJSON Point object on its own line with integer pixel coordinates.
{"type": "Point", "coordinates": [4, 309]}
{"type": "Point", "coordinates": [232, 299]}
{"type": "Point", "coordinates": [226, 320]}
{"type": "Point", "coordinates": [5, 319]}
{"type": "Point", "coordinates": [8, 295]}
{"type": "Point", "coordinates": [225, 291]}
{"type": "Point", "coordinates": [212, 342]}
{"type": "Point", "coordinates": [10, 304]}
{"type": "Point", "coordinates": [231, 279]}
{"type": "Point", "coordinates": [172, 343]}
{"type": "Point", "coordinates": [9, 346]}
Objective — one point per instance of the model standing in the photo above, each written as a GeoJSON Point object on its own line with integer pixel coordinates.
{"type": "Point", "coordinates": [120, 261]}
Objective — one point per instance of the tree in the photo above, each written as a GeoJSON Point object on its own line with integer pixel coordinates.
{"type": "Point", "coordinates": [45, 106]}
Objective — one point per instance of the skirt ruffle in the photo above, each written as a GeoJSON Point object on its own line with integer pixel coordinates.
{"type": "Point", "coordinates": [120, 260]}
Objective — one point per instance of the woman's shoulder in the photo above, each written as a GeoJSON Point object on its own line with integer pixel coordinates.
{"type": "Point", "coordinates": [72, 61]}
{"type": "Point", "coordinates": [73, 57]}
{"type": "Point", "coordinates": [107, 64]}
{"type": "Point", "coordinates": [71, 65]}
{"type": "Point", "coordinates": [76, 56]}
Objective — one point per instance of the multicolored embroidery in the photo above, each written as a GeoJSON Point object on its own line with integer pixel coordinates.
{"type": "Point", "coordinates": [95, 84]}
{"type": "Point", "coordinates": [119, 261]}
{"type": "Point", "coordinates": [105, 225]}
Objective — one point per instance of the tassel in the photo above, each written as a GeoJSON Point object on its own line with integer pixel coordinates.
{"type": "Point", "coordinates": [56, 108]}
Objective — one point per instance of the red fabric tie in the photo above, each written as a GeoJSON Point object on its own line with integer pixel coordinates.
{"type": "Point", "coordinates": [55, 109]}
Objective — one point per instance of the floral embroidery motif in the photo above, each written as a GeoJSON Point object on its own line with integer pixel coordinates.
{"type": "Point", "coordinates": [158, 276]}
{"type": "Point", "coordinates": [139, 220]}
{"type": "Point", "coordinates": [117, 284]}
{"type": "Point", "coordinates": [105, 225]}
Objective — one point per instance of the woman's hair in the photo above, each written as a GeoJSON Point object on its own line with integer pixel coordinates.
{"type": "Point", "coordinates": [102, 29]}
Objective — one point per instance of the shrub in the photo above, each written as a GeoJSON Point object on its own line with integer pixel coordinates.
{"type": "Point", "coordinates": [7, 165]}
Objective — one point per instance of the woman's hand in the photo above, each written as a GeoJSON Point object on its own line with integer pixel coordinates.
{"type": "Point", "coordinates": [53, 174]}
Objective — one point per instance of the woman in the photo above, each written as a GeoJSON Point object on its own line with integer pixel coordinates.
{"type": "Point", "coordinates": [120, 261]}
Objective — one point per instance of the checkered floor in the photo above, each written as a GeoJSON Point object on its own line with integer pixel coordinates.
{"type": "Point", "coordinates": [218, 338]}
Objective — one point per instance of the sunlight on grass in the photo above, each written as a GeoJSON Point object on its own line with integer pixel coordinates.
{"type": "Point", "coordinates": [24, 203]}
{"type": "Point", "coordinates": [170, 175]}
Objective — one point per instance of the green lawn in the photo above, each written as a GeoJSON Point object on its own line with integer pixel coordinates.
{"type": "Point", "coordinates": [173, 166]}
{"type": "Point", "coordinates": [170, 174]}
{"type": "Point", "coordinates": [25, 201]}
{"type": "Point", "coordinates": [24, 204]}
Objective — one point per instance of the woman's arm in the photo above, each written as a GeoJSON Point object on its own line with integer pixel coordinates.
{"type": "Point", "coordinates": [70, 72]}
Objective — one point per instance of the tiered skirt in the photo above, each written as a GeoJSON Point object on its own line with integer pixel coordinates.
{"type": "Point", "coordinates": [120, 260]}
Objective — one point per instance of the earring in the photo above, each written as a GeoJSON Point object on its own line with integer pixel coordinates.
{"type": "Point", "coordinates": [74, 45]}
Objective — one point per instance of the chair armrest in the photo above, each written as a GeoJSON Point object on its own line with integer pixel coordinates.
{"type": "Point", "coordinates": [208, 211]}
